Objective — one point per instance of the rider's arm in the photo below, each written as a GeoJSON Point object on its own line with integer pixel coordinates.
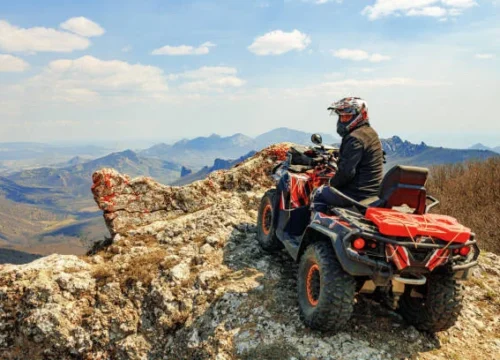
{"type": "Point", "coordinates": [350, 156]}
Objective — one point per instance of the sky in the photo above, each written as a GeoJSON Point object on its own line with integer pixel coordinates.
{"type": "Point", "coordinates": [99, 70]}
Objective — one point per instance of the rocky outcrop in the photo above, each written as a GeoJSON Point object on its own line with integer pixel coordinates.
{"type": "Point", "coordinates": [184, 278]}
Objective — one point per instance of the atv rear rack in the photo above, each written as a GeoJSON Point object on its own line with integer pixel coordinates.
{"type": "Point", "coordinates": [367, 229]}
{"type": "Point", "coordinates": [360, 227]}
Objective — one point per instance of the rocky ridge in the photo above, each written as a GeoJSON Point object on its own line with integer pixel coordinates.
{"type": "Point", "coordinates": [395, 145]}
{"type": "Point", "coordinates": [184, 278]}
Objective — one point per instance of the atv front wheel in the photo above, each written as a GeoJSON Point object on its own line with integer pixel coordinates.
{"type": "Point", "coordinates": [325, 290]}
{"type": "Point", "coordinates": [434, 306]}
{"type": "Point", "coordinates": [266, 233]}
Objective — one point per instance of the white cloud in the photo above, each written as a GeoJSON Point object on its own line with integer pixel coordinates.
{"type": "Point", "coordinates": [460, 3]}
{"type": "Point", "coordinates": [209, 78]}
{"type": "Point", "coordinates": [484, 56]}
{"type": "Point", "coordinates": [433, 11]}
{"type": "Point", "coordinates": [432, 8]}
{"type": "Point", "coordinates": [39, 39]}
{"type": "Point", "coordinates": [359, 55]}
{"type": "Point", "coordinates": [88, 78]}
{"type": "Point", "coordinates": [203, 49]}
{"type": "Point", "coordinates": [127, 48]}
{"type": "Point", "coordinates": [205, 72]}
{"type": "Point", "coordinates": [82, 26]}
{"type": "Point", "coordinates": [9, 63]}
{"type": "Point", "coordinates": [279, 42]}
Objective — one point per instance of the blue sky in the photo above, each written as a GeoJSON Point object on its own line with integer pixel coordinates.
{"type": "Point", "coordinates": [163, 70]}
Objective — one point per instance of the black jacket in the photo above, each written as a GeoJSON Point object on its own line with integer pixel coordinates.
{"type": "Point", "coordinates": [360, 166]}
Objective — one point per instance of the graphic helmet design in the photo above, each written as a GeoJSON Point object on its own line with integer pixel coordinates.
{"type": "Point", "coordinates": [350, 106]}
{"type": "Point", "coordinates": [352, 112]}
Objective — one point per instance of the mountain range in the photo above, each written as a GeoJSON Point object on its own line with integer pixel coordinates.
{"type": "Point", "coordinates": [406, 153]}
{"type": "Point", "coordinates": [202, 151]}
{"type": "Point", "coordinates": [56, 208]}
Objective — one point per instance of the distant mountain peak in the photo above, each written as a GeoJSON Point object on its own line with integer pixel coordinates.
{"type": "Point", "coordinates": [185, 171]}
{"type": "Point", "coordinates": [402, 147]}
{"type": "Point", "coordinates": [239, 135]}
{"type": "Point", "coordinates": [129, 154]}
{"type": "Point", "coordinates": [479, 146]}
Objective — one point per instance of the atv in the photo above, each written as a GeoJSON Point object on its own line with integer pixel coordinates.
{"type": "Point", "coordinates": [389, 246]}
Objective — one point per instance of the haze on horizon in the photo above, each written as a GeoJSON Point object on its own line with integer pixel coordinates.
{"type": "Point", "coordinates": [117, 70]}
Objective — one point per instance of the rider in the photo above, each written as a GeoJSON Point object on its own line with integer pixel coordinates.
{"type": "Point", "coordinates": [361, 157]}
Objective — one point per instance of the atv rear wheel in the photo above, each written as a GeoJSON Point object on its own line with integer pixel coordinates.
{"type": "Point", "coordinates": [266, 233]}
{"type": "Point", "coordinates": [438, 305]}
{"type": "Point", "coordinates": [325, 290]}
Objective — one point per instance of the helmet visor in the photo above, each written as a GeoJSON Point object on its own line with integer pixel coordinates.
{"type": "Point", "coordinates": [345, 111]}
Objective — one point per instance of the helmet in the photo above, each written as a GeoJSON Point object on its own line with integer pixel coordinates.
{"type": "Point", "coordinates": [352, 112]}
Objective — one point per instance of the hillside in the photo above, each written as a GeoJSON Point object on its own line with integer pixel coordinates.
{"type": "Point", "coordinates": [76, 179]}
{"type": "Point", "coordinates": [32, 220]}
{"type": "Point", "coordinates": [184, 278]}
{"type": "Point", "coordinates": [470, 192]}
{"type": "Point", "coordinates": [26, 194]}
{"type": "Point", "coordinates": [68, 218]}
{"type": "Point", "coordinates": [19, 221]}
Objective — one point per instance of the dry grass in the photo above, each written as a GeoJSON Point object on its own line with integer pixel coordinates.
{"type": "Point", "coordinates": [140, 268]}
{"type": "Point", "coordinates": [103, 273]}
{"type": "Point", "coordinates": [144, 268]}
{"type": "Point", "coordinates": [470, 192]}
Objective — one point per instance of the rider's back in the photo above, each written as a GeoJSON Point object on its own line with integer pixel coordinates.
{"type": "Point", "coordinates": [369, 170]}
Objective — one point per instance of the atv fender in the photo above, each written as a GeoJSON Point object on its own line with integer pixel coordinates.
{"type": "Point", "coordinates": [316, 232]}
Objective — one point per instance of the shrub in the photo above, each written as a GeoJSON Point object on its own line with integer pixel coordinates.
{"type": "Point", "coordinates": [470, 192]}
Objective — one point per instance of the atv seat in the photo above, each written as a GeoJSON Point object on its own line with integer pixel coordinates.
{"type": "Point", "coordinates": [403, 185]}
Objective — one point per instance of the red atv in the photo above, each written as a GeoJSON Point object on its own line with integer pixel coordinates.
{"type": "Point", "coordinates": [389, 244]}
